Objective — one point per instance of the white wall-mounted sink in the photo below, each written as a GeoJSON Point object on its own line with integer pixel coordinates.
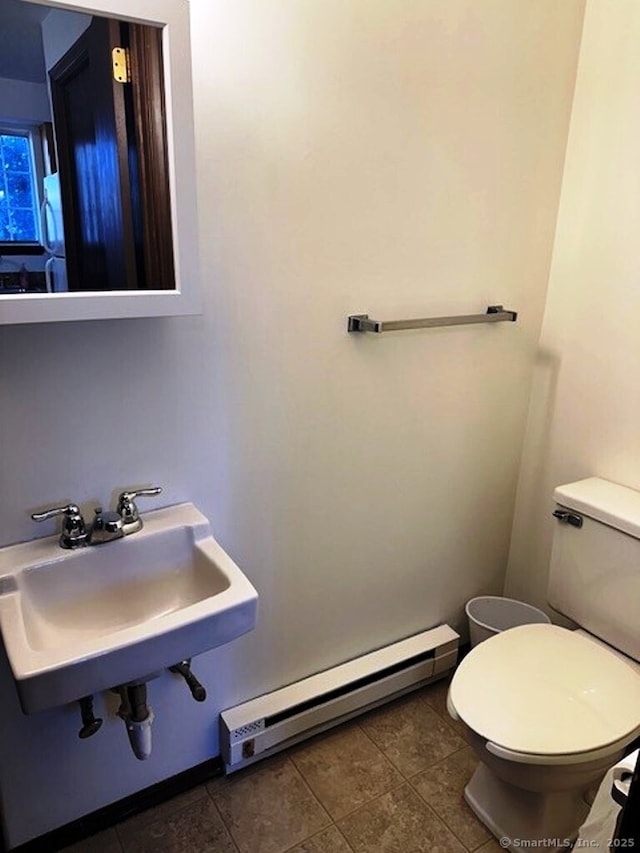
{"type": "Point", "coordinates": [76, 622]}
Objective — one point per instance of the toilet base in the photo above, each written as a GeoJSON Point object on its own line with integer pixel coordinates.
{"type": "Point", "coordinates": [552, 818]}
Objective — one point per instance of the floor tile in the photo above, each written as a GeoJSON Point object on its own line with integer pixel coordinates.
{"type": "Point", "coordinates": [442, 786]}
{"type": "Point", "coordinates": [196, 828]}
{"type": "Point", "coordinates": [398, 822]}
{"type": "Point", "coordinates": [218, 782]}
{"type": "Point", "coordinates": [436, 696]}
{"type": "Point", "coordinates": [345, 769]}
{"type": "Point", "coordinates": [330, 840]}
{"type": "Point", "coordinates": [490, 847]}
{"type": "Point", "coordinates": [102, 842]}
{"type": "Point", "coordinates": [270, 808]}
{"type": "Point", "coordinates": [411, 734]}
{"type": "Point", "coordinates": [165, 809]}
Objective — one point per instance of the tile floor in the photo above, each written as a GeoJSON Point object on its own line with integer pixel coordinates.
{"type": "Point", "coordinates": [390, 781]}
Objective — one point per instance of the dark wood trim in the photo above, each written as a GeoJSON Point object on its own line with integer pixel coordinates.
{"type": "Point", "coordinates": [75, 57]}
{"type": "Point", "coordinates": [21, 249]}
{"type": "Point", "coordinates": [116, 812]}
{"type": "Point", "coordinates": [148, 114]}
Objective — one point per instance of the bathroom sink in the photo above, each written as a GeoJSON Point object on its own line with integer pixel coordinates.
{"type": "Point", "coordinates": [76, 622]}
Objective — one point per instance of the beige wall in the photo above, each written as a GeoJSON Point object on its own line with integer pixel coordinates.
{"type": "Point", "coordinates": [398, 158]}
{"type": "Point", "coordinates": [403, 160]}
{"type": "Point", "coordinates": [585, 409]}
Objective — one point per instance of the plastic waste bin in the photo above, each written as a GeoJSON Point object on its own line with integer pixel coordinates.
{"type": "Point", "coordinates": [491, 614]}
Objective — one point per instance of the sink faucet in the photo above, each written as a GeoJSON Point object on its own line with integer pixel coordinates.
{"type": "Point", "coordinates": [106, 526]}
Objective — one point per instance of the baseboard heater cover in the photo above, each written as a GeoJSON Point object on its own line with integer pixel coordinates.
{"type": "Point", "coordinates": [272, 722]}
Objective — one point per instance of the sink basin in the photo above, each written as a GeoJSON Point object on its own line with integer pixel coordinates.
{"type": "Point", "coordinates": [76, 622]}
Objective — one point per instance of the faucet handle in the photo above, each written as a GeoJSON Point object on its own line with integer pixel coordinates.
{"type": "Point", "coordinates": [74, 533]}
{"type": "Point", "coordinates": [129, 511]}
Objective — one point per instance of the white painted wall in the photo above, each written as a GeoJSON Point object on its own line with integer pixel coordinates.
{"type": "Point", "coordinates": [399, 159]}
{"type": "Point", "coordinates": [585, 408]}
{"type": "Point", "coordinates": [22, 101]}
{"type": "Point", "coordinates": [60, 29]}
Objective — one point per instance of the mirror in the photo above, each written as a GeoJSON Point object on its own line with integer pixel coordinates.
{"type": "Point", "coordinates": [146, 264]}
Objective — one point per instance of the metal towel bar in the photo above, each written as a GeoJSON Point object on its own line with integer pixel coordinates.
{"type": "Point", "coordinates": [494, 314]}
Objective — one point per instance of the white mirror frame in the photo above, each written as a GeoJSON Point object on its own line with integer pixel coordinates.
{"type": "Point", "coordinates": [173, 16]}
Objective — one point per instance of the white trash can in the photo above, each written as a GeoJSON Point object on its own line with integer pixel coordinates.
{"type": "Point", "coordinates": [491, 614]}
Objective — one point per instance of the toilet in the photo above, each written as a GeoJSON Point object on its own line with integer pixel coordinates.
{"type": "Point", "coordinates": [549, 710]}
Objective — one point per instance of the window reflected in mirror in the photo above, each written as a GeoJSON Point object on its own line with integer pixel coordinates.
{"type": "Point", "coordinates": [19, 208]}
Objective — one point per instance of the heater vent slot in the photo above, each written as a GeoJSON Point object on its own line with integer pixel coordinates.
{"type": "Point", "coordinates": [322, 699]}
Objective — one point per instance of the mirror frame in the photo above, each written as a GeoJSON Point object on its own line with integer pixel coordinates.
{"type": "Point", "coordinates": [173, 17]}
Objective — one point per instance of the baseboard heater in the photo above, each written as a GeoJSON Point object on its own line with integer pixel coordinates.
{"type": "Point", "coordinates": [272, 722]}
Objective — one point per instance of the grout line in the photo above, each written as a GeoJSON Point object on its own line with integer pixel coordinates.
{"type": "Point", "coordinates": [118, 837]}
{"type": "Point", "coordinates": [224, 823]}
{"type": "Point", "coordinates": [386, 757]}
{"type": "Point", "coordinates": [443, 820]}
{"type": "Point", "coordinates": [310, 790]}
{"type": "Point", "coordinates": [345, 839]}
{"type": "Point", "coordinates": [429, 807]}
{"type": "Point", "coordinates": [483, 844]}
{"type": "Point", "coordinates": [438, 762]}
{"type": "Point", "coordinates": [402, 781]}
{"type": "Point", "coordinates": [317, 835]}
{"type": "Point", "coordinates": [165, 818]}
{"type": "Point", "coordinates": [439, 817]}
{"type": "Point", "coordinates": [88, 839]}
{"type": "Point", "coordinates": [120, 844]}
{"type": "Point", "coordinates": [437, 813]}
{"type": "Point", "coordinates": [284, 757]}
{"type": "Point", "coordinates": [410, 775]}
{"type": "Point", "coordinates": [308, 784]}
{"type": "Point", "coordinates": [373, 799]}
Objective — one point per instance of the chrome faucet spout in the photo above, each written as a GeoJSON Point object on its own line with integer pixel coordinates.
{"type": "Point", "coordinates": [106, 527]}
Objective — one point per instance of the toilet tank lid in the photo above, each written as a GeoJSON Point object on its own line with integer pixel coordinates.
{"type": "Point", "coordinates": [612, 504]}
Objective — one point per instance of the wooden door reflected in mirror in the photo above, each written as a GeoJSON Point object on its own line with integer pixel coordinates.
{"type": "Point", "coordinates": [111, 144]}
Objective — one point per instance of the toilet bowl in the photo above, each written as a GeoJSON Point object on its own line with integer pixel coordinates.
{"type": "Point", "coordinates": [549, 710]}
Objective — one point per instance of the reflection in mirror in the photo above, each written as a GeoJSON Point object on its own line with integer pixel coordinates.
{"type": "Point", "coordinates": [85, 200]}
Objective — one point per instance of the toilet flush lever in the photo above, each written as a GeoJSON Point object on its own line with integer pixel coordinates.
{"type": "Point", "coordinates": [567, 517]}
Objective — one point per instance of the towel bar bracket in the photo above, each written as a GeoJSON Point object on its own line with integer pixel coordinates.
{"type": "Point", "coordinates": [361, 323]}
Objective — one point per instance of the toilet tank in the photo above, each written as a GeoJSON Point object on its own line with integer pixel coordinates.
{"type": "Point", "coordinates": [594, 576]}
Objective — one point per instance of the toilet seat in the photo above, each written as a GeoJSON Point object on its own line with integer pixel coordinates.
{"type": "Point", "coordinates": [544, 691]}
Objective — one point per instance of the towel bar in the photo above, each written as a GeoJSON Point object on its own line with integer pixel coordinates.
{"type": "Point", "coordinates": [494, 314]}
